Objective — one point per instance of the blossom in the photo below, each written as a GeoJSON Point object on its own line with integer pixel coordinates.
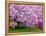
{"type": "Point", "coordinates": [26, 13]}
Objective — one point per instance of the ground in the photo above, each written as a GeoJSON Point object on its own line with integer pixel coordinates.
{"type": "Point", "coordinates": [25, 29]}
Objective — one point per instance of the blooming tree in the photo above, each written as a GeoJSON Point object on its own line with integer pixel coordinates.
{"type": "Point", "coordinates": [29, 14]}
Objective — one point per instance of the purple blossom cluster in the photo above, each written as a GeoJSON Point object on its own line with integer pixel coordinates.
{"type": "Point", "coordinates": [29, 14]}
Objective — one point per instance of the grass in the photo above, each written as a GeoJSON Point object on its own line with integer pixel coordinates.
{"type": "Point", "coordinates": [24, 29]}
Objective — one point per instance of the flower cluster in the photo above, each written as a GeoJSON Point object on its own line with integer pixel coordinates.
{"type": "Point", "coordinates": [29, 14]}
